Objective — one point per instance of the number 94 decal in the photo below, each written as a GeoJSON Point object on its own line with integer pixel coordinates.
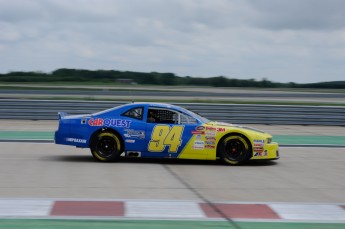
{"type": "Point", "coordinates": [163, 136]}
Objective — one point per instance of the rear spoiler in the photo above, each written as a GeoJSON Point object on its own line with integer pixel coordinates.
{"type": "Point", "coordinates": [62, 114]}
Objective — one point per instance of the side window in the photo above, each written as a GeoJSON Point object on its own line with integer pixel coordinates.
{"type": "Point", "coordinates": [162, 116]}
{"type": "Point", "coordinates": [136, 113]}
{"type": "Point", "coordinates": [186, 119]}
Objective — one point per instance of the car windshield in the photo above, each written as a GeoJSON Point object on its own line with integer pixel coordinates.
{"type": "Point", "coordinates": [199, 117]}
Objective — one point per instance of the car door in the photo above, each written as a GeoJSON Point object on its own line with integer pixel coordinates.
{"type": "Point", "coordinates": [134, 135]}
{"type": "Point", "coordinates": [167, 132]}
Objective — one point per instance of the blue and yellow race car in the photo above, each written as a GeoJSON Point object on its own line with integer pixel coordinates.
{"type": "Point", "coordinates": [157, 130]}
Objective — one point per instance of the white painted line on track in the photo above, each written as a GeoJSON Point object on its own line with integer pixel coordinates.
{"type": "Point", "coordinates": [163, 209]}
{"type": "Point", "coordinates": [26, 208]}
{"type": "Point", "coordinates": [309, 211]}
{"type": "Point", "coordinates": [174, 210]}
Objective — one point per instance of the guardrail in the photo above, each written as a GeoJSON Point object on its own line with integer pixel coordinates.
{"type": "Point", "coordinates": [231, 113]}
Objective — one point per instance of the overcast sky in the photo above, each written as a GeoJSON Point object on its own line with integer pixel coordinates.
{"type": "Point", "coordinates": [281, 40]}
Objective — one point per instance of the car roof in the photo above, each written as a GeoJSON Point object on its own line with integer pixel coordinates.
{"type": "Point", "coordinates": [150, 104]}
{"type": "Point", "coordinates": [130, 105]}
{"type": "Point", "coordinates": [161, 105]}
{"type": "Point", "coordinates": [123, 107]}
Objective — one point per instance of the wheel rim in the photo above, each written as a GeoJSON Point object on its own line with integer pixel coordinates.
{"type": "Point", "coordinates": [106, 146]}
{"type": "Point", "coordinates": [235, 149]}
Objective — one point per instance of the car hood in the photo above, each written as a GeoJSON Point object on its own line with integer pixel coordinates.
{"type": "Point", "coordinates": [235, 125]}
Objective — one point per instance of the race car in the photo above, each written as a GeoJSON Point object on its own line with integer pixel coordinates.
{"type": "Point", "coordinates": [158, 130]}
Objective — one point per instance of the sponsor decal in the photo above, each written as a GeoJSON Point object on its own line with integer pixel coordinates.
{"type": "Point", "coordinates": [134, 133]}
{"type": "Point", "coordinates": [220, 129]}
{"type": "Point", "coordinates": [261, 154]}
{"type": "Point", "coordinates": [198, 137]}
{"type": "Point", "coordinates": [259, 143]}
{"type": "Point", "coordinates": [197, 132]}
{"type": "Point", "coordinates": [130, 140]}
{"type": "Point", "coordinates": [258, 149]}
{"type": "Point", "coordinates": [96, 122]}
{"type": "Point", "coordinates": [110, 122]}
{"type": "Point", "coordinates": [210, 128]}
{"type": "Point", "coordinates": [210, 142]}
{"type": "Point", "coordinates": [200, 128]}
{"type": "Point", "coordinates": [76, 140]}
{"type": "Point", "coordinates": [210, 138]}
{"type": "Point", "coordinates": [210, 133]}
{"type": "Point", "coordinates": [210, 147]}
{"type": "Point", "coordinates": [199, 145]}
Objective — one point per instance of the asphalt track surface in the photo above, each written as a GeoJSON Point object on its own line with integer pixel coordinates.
{"type": "Point", "coordinates": [31, 170]}
{"type": "Point", "coordinates": [45, 170]}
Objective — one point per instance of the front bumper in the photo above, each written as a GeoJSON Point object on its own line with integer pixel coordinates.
{"type": "Point", "coordinates": [269, 152]}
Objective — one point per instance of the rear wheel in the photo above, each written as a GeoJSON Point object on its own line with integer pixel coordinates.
{"type": "Point", "coordinates": [234, 149]}
{"type": "Point", "coordinates": [106, 146]}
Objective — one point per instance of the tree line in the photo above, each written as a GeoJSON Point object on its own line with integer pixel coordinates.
{"type": "Point", "coordinates": [152, 78]}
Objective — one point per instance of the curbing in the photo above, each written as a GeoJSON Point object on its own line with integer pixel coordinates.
{"type": "Point", "coordinates": [170, 210]}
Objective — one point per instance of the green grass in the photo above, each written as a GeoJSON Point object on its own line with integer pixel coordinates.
{"type": "Point", "coordinates": [155, 224]}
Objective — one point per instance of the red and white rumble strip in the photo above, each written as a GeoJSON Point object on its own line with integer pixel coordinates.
{"type": "Point", "coordinates": [165, 209]}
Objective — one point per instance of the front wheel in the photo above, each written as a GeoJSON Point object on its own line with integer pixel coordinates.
{"type": "Point", "coordinates": [106, 146]}
{"type": "Point", "coordinates": [234, 149]}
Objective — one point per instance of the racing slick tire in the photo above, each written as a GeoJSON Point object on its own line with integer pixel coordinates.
{"type": "Point", "coordinates": [106, 147]}
{"type": "Point", "coordinates": [234, 149]}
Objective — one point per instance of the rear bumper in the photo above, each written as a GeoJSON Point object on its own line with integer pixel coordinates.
{"type": "Point", "coordinates": [60, 138]}
{"type": "Point", "coordinates": [67, 139]}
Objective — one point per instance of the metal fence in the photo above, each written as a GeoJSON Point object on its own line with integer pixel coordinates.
{"type": "Point", "coordinates": [232, 113]}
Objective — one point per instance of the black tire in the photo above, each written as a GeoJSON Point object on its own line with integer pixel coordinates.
{"type": "Point", "coordinates": [234, 149]}
{"type": "Point", "coordinates": [106, 147]}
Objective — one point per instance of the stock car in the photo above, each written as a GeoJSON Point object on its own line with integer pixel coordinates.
{"type": "Point", "coordinates": [158, 130]}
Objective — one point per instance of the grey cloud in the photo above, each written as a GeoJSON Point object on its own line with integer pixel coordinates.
{"type": "Point", "coordinates": [17, 11]}
{"type": "Point", "coordinates": [278, 39]}
{"type": "Point", "coordinates": [301, 14]}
